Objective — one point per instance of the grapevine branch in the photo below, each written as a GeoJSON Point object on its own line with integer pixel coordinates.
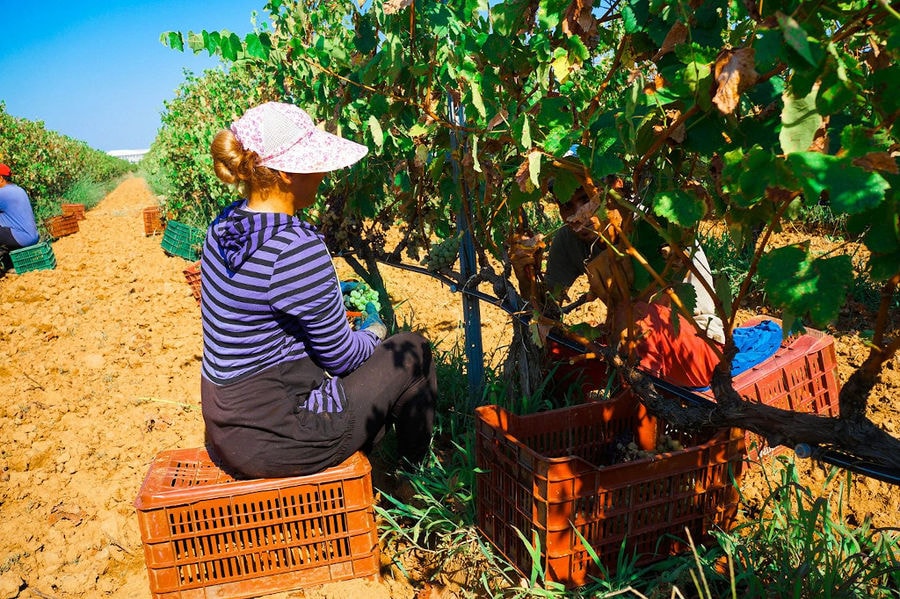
{"type": "Point", "coordinates": [860, 437]}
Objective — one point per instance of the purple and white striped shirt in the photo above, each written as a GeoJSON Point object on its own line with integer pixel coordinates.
{"type": "Point", "coordinates": [270, 295]}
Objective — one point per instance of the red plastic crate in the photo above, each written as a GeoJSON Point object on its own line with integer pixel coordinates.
{"type": "Point", "coordinates": [208, 535]}
{"type": "Point", "coordinates": [802, 376]}
{"type": "Point", "coordinates": [60, 226]}
{"type": "Point", "coordinates": [192, 276]}
{"type": "Point", "coordinates": [153, 222]}
{"type": "Point", "coordinates": [553, 473]}
{"type": "Point", "coordinates": [76, 210]}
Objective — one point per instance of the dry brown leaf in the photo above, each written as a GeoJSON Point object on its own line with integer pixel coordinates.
{"type": "Point", "coordinates": [735, 71]}
{"type": "Point", "coordinates": [523, 176]}
{"type": "Point", "coordinates": [878, 161]}
{"type": "Point", "coordinates": [677, 35]}
{"type": "Point", "coordinates": [498, 118]}
{"type": "Point", "coordinates": [580, 21]}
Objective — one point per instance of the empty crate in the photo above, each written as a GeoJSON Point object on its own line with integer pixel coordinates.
{"type": "Point", "coordinates": [153, 222]}
{"type": "Point", "coordinates": [76, 210]}
{"type": "Point", "coordinates": [802, 377]}
{"type": "Point", "coordinates": [182, 240]}
{"type": "Point", "coordinates": [558, 476]}
{"type": "Point", "coordinates": [60, 226]}
{"type": "Point", "coordinates": [192, 276]}
{"type": "Point", "coordinates": [34, 257]}
{"type": "Point", "coordinates": [207, 535]}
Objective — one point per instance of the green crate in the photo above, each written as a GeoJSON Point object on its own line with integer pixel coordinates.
{"type": "Point", "coordinates": [182, 240]}
{"type": "Point", "coordinates": [34, 257]}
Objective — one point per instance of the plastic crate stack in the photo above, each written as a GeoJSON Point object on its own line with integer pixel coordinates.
{"type": "Point", "coordinates": [34, 257]}
{"type": "Point", "coordinates": [182, 240]}
{"type": "Point", "coordinates": [206, 534]}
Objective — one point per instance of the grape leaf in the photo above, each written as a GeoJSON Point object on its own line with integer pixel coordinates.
{"type": "Point", "coordinates": [802, 285]}
{"type": "Point", "coordinates": [795, 36]}
{"type": "Point", "coordinates": [799, 123]}
{"type": "Point", "coordinates": [173, 39]}
{"type": "Point", "coordinates": [679, 207]}
{"type": "Point", "coordinates": [376, 131]}
{"type": "Point", "coordinates": [850, 188]}
{"type": "Point", "coordinates": [534, 168]}
{"type": "Point", "coordinates": [258, 46]}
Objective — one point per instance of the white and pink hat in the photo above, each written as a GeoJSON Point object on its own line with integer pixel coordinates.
{"type": "Point", "coordinates": [287, 140]}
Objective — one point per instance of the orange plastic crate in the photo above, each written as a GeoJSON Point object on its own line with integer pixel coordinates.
{"type": "Point", "coordinates": [76, 210]}
{"type": "Point", "coordinates": [208, 535]}
{"type": "Point", "coordinates": [553, 473]}
{"type": "Point", "coordinates": [192, 276]}
{"type": "Point", "coordinates": [802, 376]}
{"type": "Point", "coordinates": [153, 222]}
{"type": "Point", "coordinates": [60, 226]}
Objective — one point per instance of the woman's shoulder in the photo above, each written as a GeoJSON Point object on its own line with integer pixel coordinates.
{"type": "Point", "coordinates": [300, 235]}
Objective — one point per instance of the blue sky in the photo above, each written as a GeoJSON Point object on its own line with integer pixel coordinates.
{"type": "Point", "coordinates": [96, 70]}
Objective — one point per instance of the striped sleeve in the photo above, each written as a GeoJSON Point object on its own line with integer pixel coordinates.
{"type": "Point", "coordinates": [304, 285]}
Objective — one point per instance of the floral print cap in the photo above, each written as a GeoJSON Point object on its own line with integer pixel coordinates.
{"type": "Point", "coordinates": [286, 139]}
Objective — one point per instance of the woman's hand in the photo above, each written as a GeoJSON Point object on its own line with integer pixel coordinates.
{"type": "Point", "coordinates": [371, 321]}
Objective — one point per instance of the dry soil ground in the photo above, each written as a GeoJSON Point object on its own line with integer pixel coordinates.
{"type": "Point", "coordinates": [99, 371]}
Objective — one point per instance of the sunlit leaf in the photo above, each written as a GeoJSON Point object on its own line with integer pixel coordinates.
{"type": "Point", "coordinates": [534, 168]}
{"type": "Point", "coordinates": [258, 46]}
{"type": "Point", "coordinates": [799, 123]}
{"type": "Point", "coordinates": [376, 131]}
{"type": "Point", "coordinates": [804, 285]}
{"type": "Point", "coordinates": [850, 188]}
{"type": "Point", "coordinates": [526, 133]}
{"type": "Point", "coordinates": [230, 46]}
{"type": "Point", "coordinates": [173, 40]}
{"type": "Point", "coordinates": [679, 207]}
{"type": "Point", "coordinates": [197, 41]}
{"type": "Point", "coordinates": [795, 36]}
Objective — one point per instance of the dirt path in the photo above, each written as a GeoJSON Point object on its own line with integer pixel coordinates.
{"type": "Point", "coordinates": [99, 366]}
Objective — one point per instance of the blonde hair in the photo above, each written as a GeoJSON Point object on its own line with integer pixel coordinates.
{"type": "Point", "coordinates": [239, 167]}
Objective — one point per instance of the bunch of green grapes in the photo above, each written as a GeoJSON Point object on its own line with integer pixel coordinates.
{"type": "Point", "coordinates": [357, 299]}
{"type": "Point", "coordinates": [442, 255]}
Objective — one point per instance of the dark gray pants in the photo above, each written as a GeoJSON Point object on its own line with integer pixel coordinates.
{"type": "Point", "coordinates": [260, 427]}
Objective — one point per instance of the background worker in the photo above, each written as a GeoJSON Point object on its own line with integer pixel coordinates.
{"type": "Point", "coordinates": [288, 387]}
{"type": "Point", "coordinates": [668, 348]}
{"type": "Point", "coordinates": [17, 226]}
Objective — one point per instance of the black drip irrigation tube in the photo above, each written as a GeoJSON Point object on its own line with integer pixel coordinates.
{"type": "Point", "coordinates": [803, 450]}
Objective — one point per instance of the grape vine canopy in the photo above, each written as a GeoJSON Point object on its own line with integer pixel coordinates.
{"type": "Point", "coordinates": [742, 112]}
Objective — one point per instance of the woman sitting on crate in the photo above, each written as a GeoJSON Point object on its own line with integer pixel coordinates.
{"type": "Point", "coordinates": [288, 387]}
{"type": "Point", "coordinates": [17, 226]}
{"type": "Point", "coordinates": [665, 343]}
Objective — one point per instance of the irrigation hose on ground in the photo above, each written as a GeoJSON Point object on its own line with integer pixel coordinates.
{"type": "Point", "coordinates": [803, 450]}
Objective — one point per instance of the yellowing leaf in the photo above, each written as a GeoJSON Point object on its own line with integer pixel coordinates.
{"type": "Point", "coordinates": [375, 130]}
{"type": "Point", "coordinates": [534, 168]}
{"type": "Point", "coordinates": [560, 66]}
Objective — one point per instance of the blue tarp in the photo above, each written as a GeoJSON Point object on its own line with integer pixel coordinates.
{"type": "Point", "coordinates": [755, 344]}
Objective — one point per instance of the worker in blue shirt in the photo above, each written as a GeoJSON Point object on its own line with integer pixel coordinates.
{"type": "Point", "coordinates": [17, 226]}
